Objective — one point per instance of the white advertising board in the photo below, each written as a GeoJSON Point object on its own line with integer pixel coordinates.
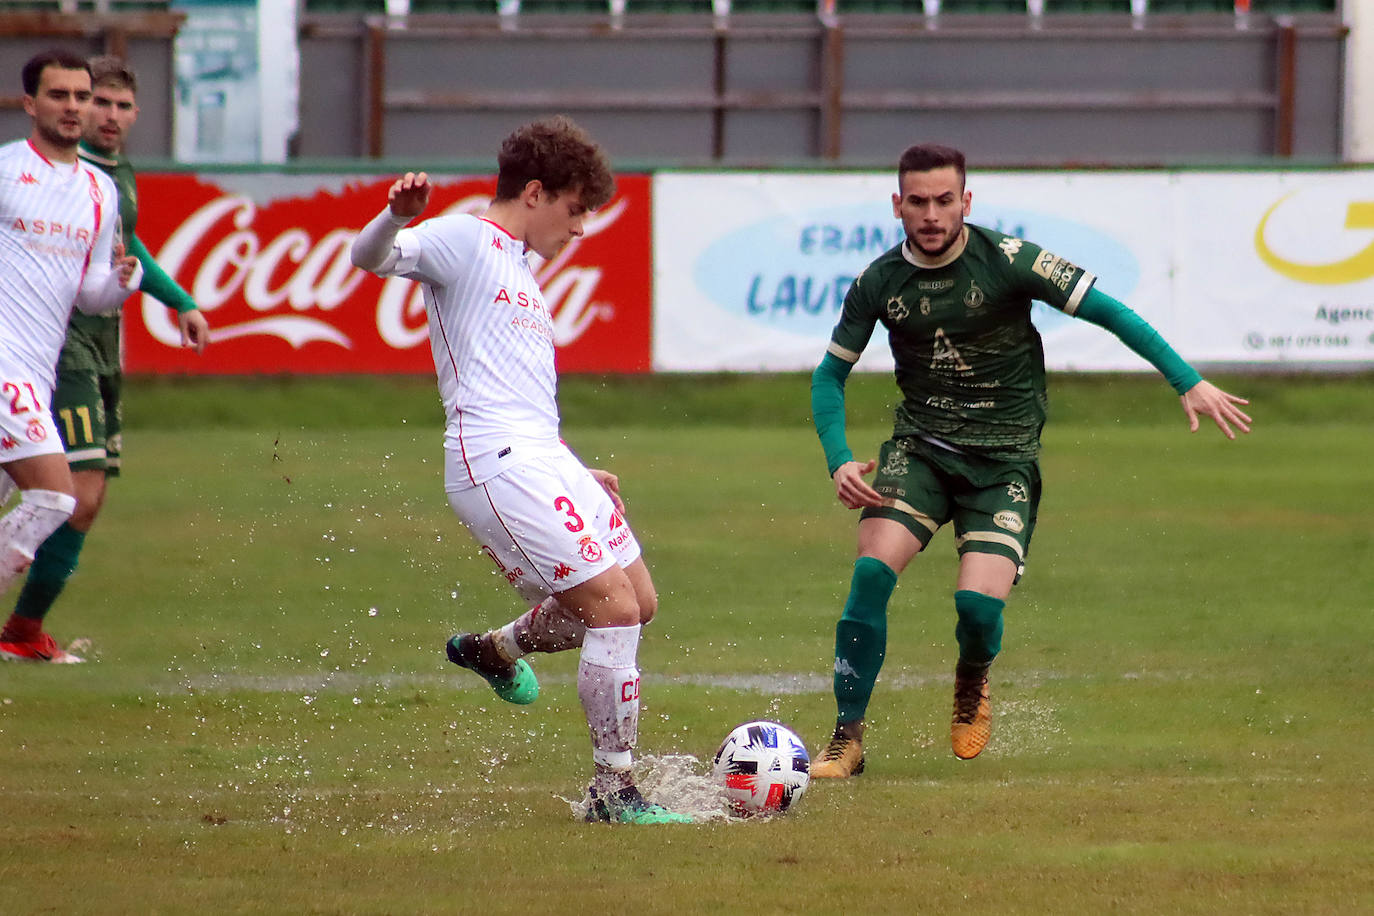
{"type": "Point", "coordinates": [750, 270]}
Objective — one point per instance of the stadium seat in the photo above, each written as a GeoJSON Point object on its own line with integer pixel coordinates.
{"type": "Point", "coordinates": [1191, 6]}
{"type": "Point", "coordinates": [983, 6]}
{"type": "Point", "coordinates": [345, 6]}
{"type": "Point", "coordinates": [668, 6]}
{"type": "Point", "coordinates": [773, 6]}
{"type": "Point", "coordinates": [1087, 6]}
{"type": "Point", "coordinates": [575, 7]}
{"type": "Point", "coordinates": [899, 7]}
{"type": "Point", "coordinates": [1273, 7]}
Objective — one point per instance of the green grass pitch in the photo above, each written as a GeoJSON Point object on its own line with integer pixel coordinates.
{"type": "Point", "coordinates": [268, 725]}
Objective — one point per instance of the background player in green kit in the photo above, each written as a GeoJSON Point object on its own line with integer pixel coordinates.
{"type": "Point", "coordinates": [956, 302]}
{"type": "Point", "coordinates": [86, 402]}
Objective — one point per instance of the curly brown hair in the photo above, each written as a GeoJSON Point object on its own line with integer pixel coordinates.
{"type": "Point", "coordinates": [558, 154]}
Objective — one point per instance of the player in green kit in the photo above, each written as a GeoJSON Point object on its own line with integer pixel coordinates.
{"type": "Point", "coordinates": [86, 402]}
{"type": "Point", "coordinates": [955, 299]}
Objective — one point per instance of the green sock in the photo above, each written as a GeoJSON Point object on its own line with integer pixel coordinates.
{"type": "Point", "coordinates": [979, 630]}
{"type": "Point", "coordinates": [861, 636]}
{"type": "Point", "coordinates": [53, 564]}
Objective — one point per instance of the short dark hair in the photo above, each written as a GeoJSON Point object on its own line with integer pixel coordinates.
{"type": "Point", "coordinates": [109, 70]}
{"type": "Point", "coordinates": [924, 157]}
{"type": "Point", "coordinates": [558, 154]}
{"type": "Point", "coordinates": [54, 57]}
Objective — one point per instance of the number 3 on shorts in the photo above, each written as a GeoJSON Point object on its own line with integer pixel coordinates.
{"type": "Point", "coordinates": [565, 505]}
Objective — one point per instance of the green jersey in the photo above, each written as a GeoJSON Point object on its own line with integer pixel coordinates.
{"type": "Point", "coordinates": [968, 360]}
{"type": "Point", "coordinates": [93, 340]}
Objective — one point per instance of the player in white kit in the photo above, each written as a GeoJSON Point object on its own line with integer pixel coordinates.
{"type": "Point", "coordinates": [57, 229]}
{"type": "Point", "coordinates": [554, 528]}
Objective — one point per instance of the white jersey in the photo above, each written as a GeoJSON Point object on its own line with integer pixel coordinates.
{"type": "Point", "coordinates": [56, 234]}
{"type": "Point", "coordinates": [492, 339]}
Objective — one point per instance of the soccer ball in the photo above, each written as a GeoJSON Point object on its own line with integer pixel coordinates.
{"type": "Point", "coordinates": [764, 768]}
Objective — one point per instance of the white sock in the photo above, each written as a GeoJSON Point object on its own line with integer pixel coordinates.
{"type": "Point", "coordinates": [608, 686]}
{"type": "Point", "coordinates": [26, 526]}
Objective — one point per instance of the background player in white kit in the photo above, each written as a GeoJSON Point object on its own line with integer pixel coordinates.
{"type": "Point", "coordinates": [554, 528]}
{"type": "Point", "coordinates": [57, 224]}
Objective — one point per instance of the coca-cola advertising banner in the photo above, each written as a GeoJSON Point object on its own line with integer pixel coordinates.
{"type": "Point", "coordinates": [266, 257]}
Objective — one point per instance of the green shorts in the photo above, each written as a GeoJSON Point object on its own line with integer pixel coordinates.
{"type": "Point", "coordinates": [86, 408]}
{"type": "Point", "coordinates": [993, 504]}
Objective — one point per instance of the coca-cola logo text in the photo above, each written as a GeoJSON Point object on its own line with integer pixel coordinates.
{"type": "Point", "coordinates": [278, 274]}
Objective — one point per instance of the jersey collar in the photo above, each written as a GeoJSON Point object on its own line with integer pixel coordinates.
{"type": "Point", "coordinates": [949, 257]}
{"type": "Point", "coordinates": [91, 154]}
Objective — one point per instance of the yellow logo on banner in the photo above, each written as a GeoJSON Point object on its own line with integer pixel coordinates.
{"type": "Point", "coordinates": [1357, 267]}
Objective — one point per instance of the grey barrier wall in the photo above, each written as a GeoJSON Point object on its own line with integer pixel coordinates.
{"type": "Point", "coordinates": [144, 39]}
{"type": "Point", "coordinates": [774, 90]}
{"type": "Point", "coordinates": [1009, 89]}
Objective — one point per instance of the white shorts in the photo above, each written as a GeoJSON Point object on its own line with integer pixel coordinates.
{"type": "Point", "coordinates": [546, 524]}
{"type": "Point", "coordinates": [26, 426]}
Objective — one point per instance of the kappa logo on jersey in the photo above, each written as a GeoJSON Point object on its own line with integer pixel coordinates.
{"type": "Point", "coordinates": [897, 309]}
{"type": "Point", "coordinates": [589, 550]}
{"type": "Point", "coordinates": [36, 432]}
{"type": "Point", "coordinates": [7, 443]}
{"type": "Point", "coordinates": [1017, 492]}
{"type": "Point", "coordinates": [1010, 247]}
{"type": "Point", "coordinates": [496, 243]}
{"type": "Point", "coordinates": [562, 571]}
{"type": "Point", "coordinates": [27, 178]}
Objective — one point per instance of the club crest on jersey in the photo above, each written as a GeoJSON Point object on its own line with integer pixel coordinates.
{"type": "Point", "coordinates": [1017, 492]}
{"type": "Point", "coordinates": [36, 432]}
{"type": "Point", "coordinates": [589, 550]}
{"type": "Point", "coordinates": [897, 309]}
{"type": "Point", "coordinates": [924, 305]}
{"type": "Point", "coordinates": [974, 297]}
{"type": "Point", "coordinates": [896, 464]}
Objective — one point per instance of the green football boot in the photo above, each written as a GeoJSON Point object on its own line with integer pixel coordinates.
{"type": "Point", "coordinates": [514, 683]}
{"type": "Point", "coordinates": [627, 806]}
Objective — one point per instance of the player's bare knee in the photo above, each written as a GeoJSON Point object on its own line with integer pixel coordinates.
{"type": "Point", "coordinates": [648, 606]}
{"type": "Point", "coordinates": [84, 516]}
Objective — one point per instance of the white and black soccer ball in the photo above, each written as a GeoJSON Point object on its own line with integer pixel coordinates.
{"type": "Point", "coordinates": [764, 767]}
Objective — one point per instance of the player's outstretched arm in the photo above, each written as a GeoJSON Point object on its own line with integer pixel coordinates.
{"type": "Point", "coordinates": [1207, 399]}
{"type": "Point", "coordinates": [156, 282]}
{"type": "Point", "coordinates": [374, 249]}
{"type": "Point", "coordinates": [409, 195]}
